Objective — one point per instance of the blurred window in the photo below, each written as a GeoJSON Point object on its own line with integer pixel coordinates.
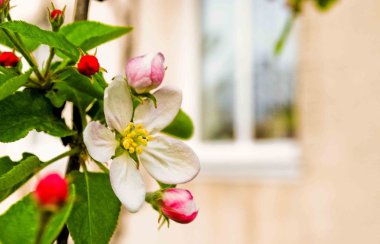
{"type": "Point", "coordinates": [247, 101]}
{"type": "Point", "coordinates": [269, 78]}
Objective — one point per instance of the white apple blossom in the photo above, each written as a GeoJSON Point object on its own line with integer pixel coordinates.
{"type": "Point", "coordinates": [166, 159]}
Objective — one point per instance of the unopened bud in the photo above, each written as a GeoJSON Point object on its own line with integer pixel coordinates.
{"type": "Point", "coordinates": [88, 65]}
{"type": "Point", "coordinates": [146, 72]}
{"type": "Point", "coordinates": [56, 18]}
{"type": "Point", "coordinates": [52, 191]}
{"type": "Point", "coordinates": [178, 205]}
{"type": "Point", "coordinates": [8, 59]}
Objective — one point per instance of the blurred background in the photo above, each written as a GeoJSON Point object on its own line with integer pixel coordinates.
{"type": "Point", "coordinates": [289, 144]}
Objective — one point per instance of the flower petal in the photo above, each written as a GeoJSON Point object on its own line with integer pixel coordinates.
{"type": "Point", "coordinates": [155, 119]}
{"type": "Point", "coordinates": [100, 141]}
{"type": "Point", "coordinates": [118, 105]}
{"type": "Point", "coordinates": [127, 183]}
{"type": "Point", "coordinates": [169, 160]}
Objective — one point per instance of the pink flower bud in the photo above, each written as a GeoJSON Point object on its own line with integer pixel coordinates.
{"type": "Point", "coordinates": [178, 205]}
{"type": "Point", "coordinates": [8, 59]}
{"type": "Point", "coordinates": [51, 190]}
{"type": "Point", "coordinates": [146, 72]}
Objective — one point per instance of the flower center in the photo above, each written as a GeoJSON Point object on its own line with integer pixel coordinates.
{"type": "Point", "coordinates": [135, 137]}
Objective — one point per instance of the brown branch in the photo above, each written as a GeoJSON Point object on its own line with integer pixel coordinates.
{"type": "Point", "coordinates": [81, 13]}
{"type": "Point", "coordinates": [81, 10]}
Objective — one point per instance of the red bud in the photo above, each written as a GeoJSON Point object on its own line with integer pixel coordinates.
{"type": "Point", "coordinates": [8, 59]}
{"type": "Point", "coordinates": [55, 13]}
{"type": "Point", "coordinates": [52, 190]}
{"type": "Point", "coordinates": [88, 65]}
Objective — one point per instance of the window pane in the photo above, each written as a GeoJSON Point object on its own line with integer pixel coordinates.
{"type": "Point", "coordinates": [218, 69]}
{"type": "Point", "coordinates": [274, 76]}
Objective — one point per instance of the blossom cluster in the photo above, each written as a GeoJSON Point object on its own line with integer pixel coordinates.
{"type": "Point", "coordinates": [133, 135]}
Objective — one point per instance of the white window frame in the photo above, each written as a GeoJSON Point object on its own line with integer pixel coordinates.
{"type": "Point", "coordinates": [244, 158]}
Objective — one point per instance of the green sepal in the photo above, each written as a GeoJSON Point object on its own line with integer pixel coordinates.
{"type": "Point", "coordinates": [118, 152]}
{"type": "Point", "coordinates": [164, 186]}
{"type": "Point", "coordinates": [150, 97]}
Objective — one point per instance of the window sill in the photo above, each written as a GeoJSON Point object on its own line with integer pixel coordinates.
{"type": "Point", "coordinates": [268, 159]}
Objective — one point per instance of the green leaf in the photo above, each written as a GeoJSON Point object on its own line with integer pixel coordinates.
{"type": "Point", "coordinates": [90, 34]}
{"type": "Point", "coordinates": [8, 71]}
{"type": "Point", "coordinates": [18, 172]}
{"type": "Point", "coordinates": [20, 223]}
{"type": "Point", "coordinates": [40, 36]}
{"type": "Point", "coordinates": [30, 44]}
{"type": "Point", "coordinates": [6, 164]}
{"type": "Point", "coordinates": [82, 83]}
{"type": "Point", "coordinates": [8, 87]}
{"type": "Point", "coordinates": [58, 220]}
{"type": "Point", "coordinates": [96, 209]}
{"type": "Point", "coordinates": [324, 4]}
{"type": "Point", "coordinates": [28, 110]}
{"type": "Point", "coordinates": [97, 112]}
{"type": "Point", "coordinates": [99, 78]}
{"type": "Point", "coordinates": [181, 127]}
{"type": "Point", "coordinates": [62, 92]}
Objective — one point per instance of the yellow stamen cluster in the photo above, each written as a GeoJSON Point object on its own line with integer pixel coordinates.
{"type": "Point", "coordinates": [135, 137]}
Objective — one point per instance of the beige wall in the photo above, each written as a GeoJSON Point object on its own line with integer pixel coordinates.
{"type": "Point", "coordinates": [337, 197]}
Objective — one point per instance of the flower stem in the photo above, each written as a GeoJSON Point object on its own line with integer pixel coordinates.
{"type": "Point", "coordinates": [51, 56]}
{"type": "Point", "coordinates": [71, 152]}
{"type": "Point", "coordinates": [101, 166]}
{"type": "Point", "coordinates": [44, 219]}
